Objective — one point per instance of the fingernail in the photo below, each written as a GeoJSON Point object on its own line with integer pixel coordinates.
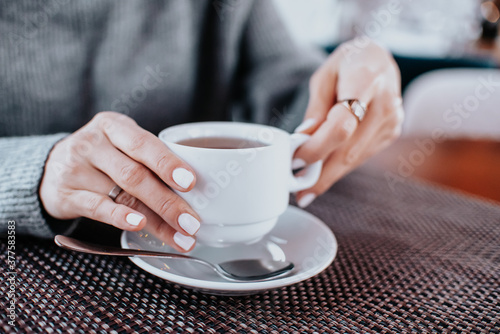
{"type": "Point", "coordinates": [298, 163]}
{"type": "Point", "coordinates": [183, 177]}
{"type": "Point", "coordinates": [134, 219]}
{"type": "Point", "coordinates": [306, 124]}
{"type": "Point", "coordinates": [188, 223]}
{"type": "Point", "coordinates": [306, 200]}
{"type": "Point", "coordinates": [400, 112]}
{"type": "Point", "coordinates": [183, 241]}
{"type": "Point", "coordinates": [398, 102]}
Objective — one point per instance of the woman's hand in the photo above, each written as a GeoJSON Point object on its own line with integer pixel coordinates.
{"type": "Point", "coordinates": [368, 74]}
{"type": "Point", "coordinates": [113, 150]}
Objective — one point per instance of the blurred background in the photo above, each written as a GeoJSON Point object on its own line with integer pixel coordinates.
{"type": "Point", "coordinates": [449, 55]}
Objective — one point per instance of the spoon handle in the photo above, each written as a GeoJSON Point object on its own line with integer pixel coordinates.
{"type": "Point", "coordinates": [87, 247]}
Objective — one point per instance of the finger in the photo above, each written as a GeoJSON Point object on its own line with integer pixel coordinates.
{"type": "Point", "coordinates": [88, 178]}
{"type": "Point", "coordinates": [95, 180]}
{"type": "Point", "coordinates": [337, 124]}
{"type": "Point", "coordinates": [332, 83]}
{"type": "Point", "coordinates": [389, 133]}
{"type": "Point", "coordinates": [146, 148]}
{"type": "Point", "coordinates": [383, 118]}
{"type": "Point", "coordinates": [341, 127]}
{"type": "Point", "coordinates": [157, 226]}
{"type": "Point", "coordinates": [340, 124]}
{"type": "Point", "coordinates": [101, 208]}
{"type": "Point", "coordinates": [368, 140]}
{"type": "Point", "coordinates": [333, 170]}
{"type": "Point", "coordinates": [138, 181]}
{"type": "Point", "coordinates": [339, 163]}
{"type": "Point", "coordinates": [322, 88]}
{"type": "Point", "coordinates": [333, 132]}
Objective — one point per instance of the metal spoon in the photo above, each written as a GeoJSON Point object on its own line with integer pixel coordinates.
{"type": "Point", "coordinates": [247, 270]}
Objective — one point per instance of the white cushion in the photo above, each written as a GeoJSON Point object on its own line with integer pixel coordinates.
{"type": "Point", "coordinates": [463, 103]}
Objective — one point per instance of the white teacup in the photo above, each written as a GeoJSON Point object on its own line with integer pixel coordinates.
{"type": "Point", "coordinates": [240, 191]}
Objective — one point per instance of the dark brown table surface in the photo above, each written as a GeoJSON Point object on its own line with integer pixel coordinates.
{"type": "Point", "coordinates": [464, 164]}
{"type": "Point", "coordinates": [411, 258]}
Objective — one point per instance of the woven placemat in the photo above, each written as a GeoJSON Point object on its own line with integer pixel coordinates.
{"type": "Point", "coordinates": [411, 258]}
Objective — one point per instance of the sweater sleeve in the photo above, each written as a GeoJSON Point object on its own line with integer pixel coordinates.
{"type": "Point", "coordinates": [21, 169]}
{"type": "Point", "coordinates": [275, 71]}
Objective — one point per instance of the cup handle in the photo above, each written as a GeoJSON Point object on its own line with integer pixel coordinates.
{"type": "Point", "coordinates": [310, 174]}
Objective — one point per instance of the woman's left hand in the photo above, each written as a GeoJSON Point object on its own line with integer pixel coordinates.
{"type": "Point", "coordinates": [368, 74]}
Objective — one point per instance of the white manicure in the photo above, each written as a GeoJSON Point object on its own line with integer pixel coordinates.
{"type": "Point", "coordinates": [183, 241]}
{"type": "Point", "coordinates": [306, 124]}
{"type": "Point", "coordinates": [398, 102]}
{"type": "Point", "coordinates": [183, 177]}
{"type": "Point", "coordinates": [298, 163]}
{"type": "Point", "coordinates": [306, 200]}
{"type": "Point", "coordinates": [188, 223]}
{"type": "Point", "coordinates": [134, 219]}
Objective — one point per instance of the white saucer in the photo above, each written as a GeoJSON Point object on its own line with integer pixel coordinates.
{"type": "Point", "coordinates": [298, 237]}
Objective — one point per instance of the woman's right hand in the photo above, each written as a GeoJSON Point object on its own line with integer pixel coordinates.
{"type": "Point", "coordinates": [113, 150]}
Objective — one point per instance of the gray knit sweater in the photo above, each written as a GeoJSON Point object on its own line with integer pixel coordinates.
{"type": "Point", "coordinates": [160, 62]}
